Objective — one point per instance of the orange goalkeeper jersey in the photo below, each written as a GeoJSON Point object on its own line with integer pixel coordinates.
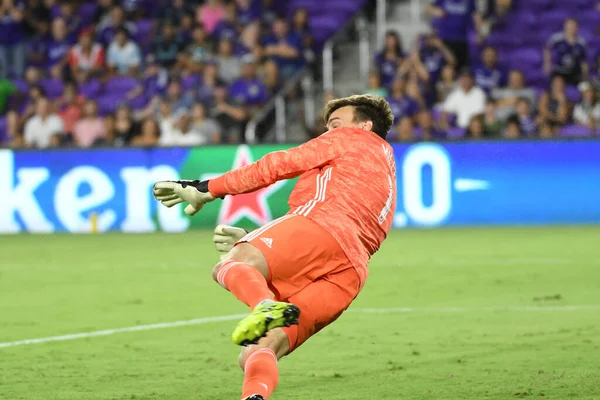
{"type": "Point", "coordinates": [347, 185]}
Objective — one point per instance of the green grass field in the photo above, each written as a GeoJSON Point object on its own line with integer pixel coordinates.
{"type": "Point", "coordinates": [525, 323]}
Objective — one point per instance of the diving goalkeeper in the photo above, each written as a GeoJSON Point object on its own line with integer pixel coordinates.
{"type": "Point", "coordinates": [300, 272]}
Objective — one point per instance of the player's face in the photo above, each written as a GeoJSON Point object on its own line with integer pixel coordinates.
{"type": "Point", "coordinates": [344, 118]}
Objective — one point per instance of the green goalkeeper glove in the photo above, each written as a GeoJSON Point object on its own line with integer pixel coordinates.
{"type": "Point", "coordinates": [226, 236]}
{"type": "Point", "coordinates": [171, 193]}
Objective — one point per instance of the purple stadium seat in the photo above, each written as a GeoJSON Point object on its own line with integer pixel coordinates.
{"type": "Point", "coordinates": [575, 131]}
{"type": "Point", "coordinates": [86, 13]}
{"type": "Point", "coordinates": [530, 57]}
{"type": "Point", "coordinates": [554, 18]}
{"type": "Point", "coordinates": [90, 89]}
{"type": "Point", "coordinates": [539, 4]}
{"type": "Point", "coordinates": [21, 85]}
{"type": "Point", "coordinates": [120, 85]}
{"type": "Point", "coordinates": [109, 103]}
{"type": "Point", "coordinates": [53, 87]}
{"type": "Point", "coordinates": [139, 102]}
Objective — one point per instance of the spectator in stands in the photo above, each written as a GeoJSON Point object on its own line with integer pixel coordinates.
{"type": "Point", "coordinates": [7, 89]}
{"type": "Point", "coordinates": [148, 135]}
{"type": "Point", "coordinates": [466, 101]}
{"type": "Point", "coordinates": [566, 54]}
{"type": "Point", "coordinates": [434, 56]}
{"type": "Point", "coordinates": [525, 116]}
{"type": "Point", "coordinates": [489, 75]}
{"type": "Point", "coordinates": [415, 89]}
{"type": "Point", "coordinates": [167, 46]}
{"type": "Point", "coordinates": [210, 82]}
{"type": "Point", "coordinates": [184, 30]}
{"type": "Point", "coordinates": [181, 132]}
{"type": "Point", "coordinates": [248, 11]}
{"type": "Point", "coordinates": [124, 56]}
{"type": "Point", "coordinates": [229, 65]}
{"type": "Point", "coordinates": [153, 82]}
{"type": "Point", "coordinates": [72, 21]}
{"type": "Point", "coordinates": [231, 118]}
{"type": "Point", "coordinates": [203, 126]}
{"type": "Point", "coordinates": [227, 28]}
{"type": "Point", "coordinates": [16, 118]}
{"type": "Point", "coordinates": [301, 28]}
{"type": "Point", "coordinates": [285, 48]}
{"type": "Point", "coordinates": [58, 49]}
{"type": "Point", "coordinates": [513, 128]}
{"type": "Point", "coordinates": [68, 107]}
{"type": "Point", "coordinates": [86, 58]}
{"type": "Point", "coordinates": [453, 22]}
{"type": "Point", "coordinates": [476, 128]}
{"type": "Point", "coordinates": [197, 52]}
{"type": "Point", "coordinates": [176, 11]}
{"type": "Point", "coordinates": [175, 97]}
{"type": "Point", "coordinates": [446, 84]}
{"type": "Point", "coordinates": [587, 111]}
{"type": "Point", "coordinates": [404, 131]}
{"type": "Point", "coordinates": [37, 18]}
{"type": "Point", "coordinates": [248, 91]}
{"type": "Point", "coordinates": [403, 106]}
{"type": "Point", "coordinates": [374, 87]}
{"type": "Point", "coordinates": [507, 97]}
{"type": "Point", "coordinates": [102, 15]}
{"type": "Point", "coordinates": [554, 106]}
{"type": "Point", "coordinates": [249, 40]}
{"type": "Point", "coordinates": [116, 20]}
{"type": "Point", "coordinates": [210, 14]}
{"type": "Point", "coordinates": [268, 14]}
{"type": "Point", "coordinates": [390, 58]}
{"type": "Point", "coordinates": [37, 46]}
{"type": "Point", "coordinates": [427, 127]}
{"type": "Point", "coordinates": [547, 130]}
{"type": "Point", "coordinates": [90, 128]}
{"type": "Point", "coordinates": [269, 75]}
{"type": "Point", "coordinates": [493, 125]}
{"type": "Point", "coordinates": [125, 128]}
{"type": "Point", "coordinates": [12, 38]}
{"type": "Point", "coordinates": [492, 11]}
{"type": "Point", "coordinates": [43, 129]}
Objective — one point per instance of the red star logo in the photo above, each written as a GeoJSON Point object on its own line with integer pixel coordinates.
{"type": "Point", "coordinates": [253, 205]}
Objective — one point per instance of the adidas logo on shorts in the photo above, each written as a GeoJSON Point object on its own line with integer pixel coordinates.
{"type": "Point", "coordinates": [268, 241]}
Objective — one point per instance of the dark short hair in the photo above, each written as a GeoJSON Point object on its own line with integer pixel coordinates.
{"type": "Point", "coordinates": [366, 108]}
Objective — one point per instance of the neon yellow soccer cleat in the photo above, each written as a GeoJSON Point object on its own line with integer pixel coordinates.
{"type": "Point", "coordinates": [264, 318]}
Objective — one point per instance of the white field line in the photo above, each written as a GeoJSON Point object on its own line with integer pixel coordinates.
{"type": "Point", "coordinates": [200, 321]}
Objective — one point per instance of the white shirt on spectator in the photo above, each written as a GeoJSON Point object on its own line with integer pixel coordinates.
{"type": "Point", "coordinates": [172, 136]}
{"type": "Point", "coordinates": [38, 131]}
{"type": "Point", "coordinates": [465, 105]}
{"type": "Point", "coordinates": [583, 112]}
{"type": "Point", "coordinates": [124, 57]}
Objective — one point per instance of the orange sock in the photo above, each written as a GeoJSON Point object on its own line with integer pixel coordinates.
{"type": "Point", "coordinates": [261, 373]}
{"type": "Point", "coordinates": [245, 282]}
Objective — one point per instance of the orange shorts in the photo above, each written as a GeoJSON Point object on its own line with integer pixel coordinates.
{"type": "Point", "coordinates": [307, 267]}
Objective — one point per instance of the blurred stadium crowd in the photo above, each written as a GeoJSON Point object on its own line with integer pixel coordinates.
{"type": "Point", "coordinates": [497, 69]}
{"type": "Point", "coordinates": [143, 72]}
{"type": "Point", "coordinates": [183, 72]}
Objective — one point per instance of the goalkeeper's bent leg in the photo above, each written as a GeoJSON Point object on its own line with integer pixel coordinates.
{"type": "Point", "coordinates": [259, 362]}
{"type": "Point", "coordinates": [244, 273]}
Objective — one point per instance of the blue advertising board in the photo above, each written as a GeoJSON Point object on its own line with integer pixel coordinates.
{"type": "Point", "coordinates": [439, 184]}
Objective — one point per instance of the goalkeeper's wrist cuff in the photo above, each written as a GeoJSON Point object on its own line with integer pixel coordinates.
{"type": "Point", "coordinates": [216, 187]}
